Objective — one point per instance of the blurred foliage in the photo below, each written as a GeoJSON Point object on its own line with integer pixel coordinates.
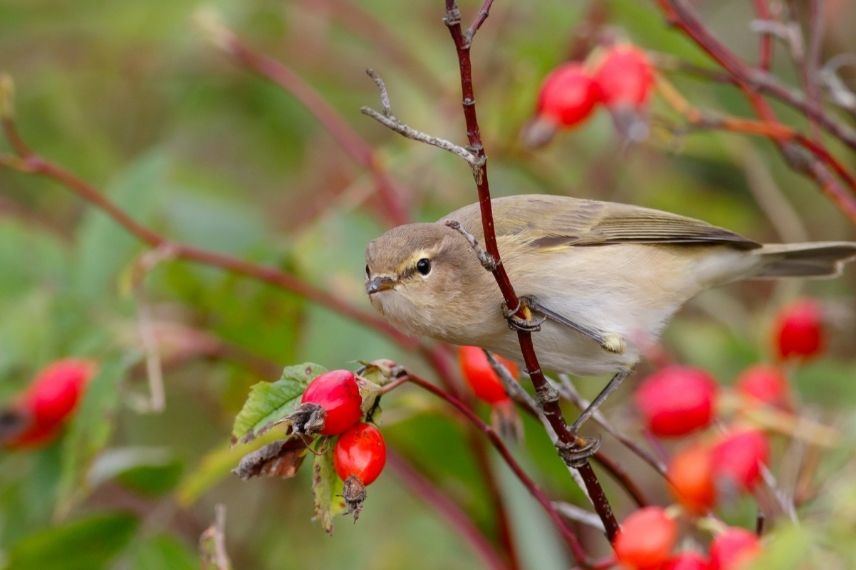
{"type": "Point", "coordinates": [132, 98]}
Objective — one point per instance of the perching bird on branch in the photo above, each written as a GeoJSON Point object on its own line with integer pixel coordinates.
{"type": "Point", "coordinates": [605, 278]}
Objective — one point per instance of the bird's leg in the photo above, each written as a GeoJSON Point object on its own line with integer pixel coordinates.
{"type": "Point", "coordinates": [610, 342]}
{"type": "Point", "coordinates": [532, 322]}
{"type": "Point", "coordinates": [610, 387]}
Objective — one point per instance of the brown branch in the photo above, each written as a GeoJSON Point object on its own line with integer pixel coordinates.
{"type": "Point", "coordinates": [349, 139]}
{"type": "Point", "coordinates": [549, 404]}
{"type": "Point", "coordinates": [452, 514]}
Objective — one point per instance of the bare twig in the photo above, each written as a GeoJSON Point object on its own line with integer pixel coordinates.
{"type": "Point", "coordinates": [359, 149]}
{"type": "Point", "coordinates": [387, 119]}
{"type": "Point", "coordinates": [212, 543]}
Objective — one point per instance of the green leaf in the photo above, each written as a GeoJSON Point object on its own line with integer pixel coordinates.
{"type": "Point", "coordinates": [326, 487]}
{"type": "Point", "coordinates": [90, 430]}
{"type": "Point", "coordinates": [269, 402]}
{"type": "Point", "coordinates": [85, 544]}
{"type": "Point", "coordinates": [149, 471]}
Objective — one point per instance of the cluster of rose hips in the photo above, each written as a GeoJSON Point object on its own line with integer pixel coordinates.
{"type": "Point", "coordinates": [359, 454]}
{"type": "Point", "coordinates": [620, 77]}
{"type": "Point", "coordinates": [677, 401]}
{"type": "Point", "coordinates": [36, 416]}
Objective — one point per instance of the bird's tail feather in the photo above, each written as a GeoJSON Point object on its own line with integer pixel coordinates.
{"type": "Point", "coordinates": [815, 259]}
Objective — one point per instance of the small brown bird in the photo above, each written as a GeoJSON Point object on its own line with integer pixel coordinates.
{"type": "Point", "coordinates": [607, 277]}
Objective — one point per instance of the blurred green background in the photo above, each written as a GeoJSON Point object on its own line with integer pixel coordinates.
{"type": "Point", "coordinates": [133, 98]}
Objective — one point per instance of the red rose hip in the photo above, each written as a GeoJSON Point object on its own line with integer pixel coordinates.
{"type": "Point", "coordinates": [799, 330]}
{"type": "Point", "coordinates": [568, 95]}
{"type": "Point", "coordinates": [338, 394]}
{"type": "Point", "coordinates": [360, 452]}
{"type": "Point", "coordinates": [691, 479]}
{"type": "Point", "coordinates": [737, 458]}
{"type": "Point", "coordinates": [50, 400]}
{"type": "Point", "coordinates": [646, 539]}
{"type": "Point", "coordinates": [624, 77]}
{"type": "Point", "coordinates": [732, 549]}
{"type": "Point", "coordinates": [482, 380]}
{"type": "Point", "coordinates": [677, 400]}
{"type": "Point", "coordinates": [766, 384]}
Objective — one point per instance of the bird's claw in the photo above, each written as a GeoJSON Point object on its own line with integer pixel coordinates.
{"type": "Point", "coordinates": [578, 453]}
{"type": "Point", "coordinates": [515, 322]}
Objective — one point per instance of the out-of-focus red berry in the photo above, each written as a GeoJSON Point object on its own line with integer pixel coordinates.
{"type": "Point", "coordinates": [646, 539]}
{"type": "Point", "coordinates": [568, 95]}
{"type": "Point", "coordinates": [50, 400]}
{"type": "Point", "coordinates": [737, 458]}
{"type": "Point", "coordinates": [624, 77]}
{"type": "Point", "coordinates": [689, 560]}
{"type": "Point", "coordinates": [765, 383]}
{"type": "Point", "coordinates": [482, 380]}
{"type": "Point", "coordinates": [691, 479]}
{"type": "Point", "coordinates": [56, 390]}
{"type": "Point", "coordinates": [360, 452]}
{"type": "Point", "coordinates": [733, 549]}
{"type": "Point", "coordinates": [677, 400]}
{"type": "Point", "coordinates": [799, 330]}
{"type": "Point", "coordinates": [338, 393]}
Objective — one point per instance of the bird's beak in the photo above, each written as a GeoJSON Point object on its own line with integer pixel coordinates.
{"type": "Point", "coordinates": [379, 283]}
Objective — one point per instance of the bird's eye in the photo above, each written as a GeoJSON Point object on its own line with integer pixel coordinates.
{"type": "Point", "coordinates": [423, 266]}
{"type": "Point", "coordinates": [368, 271]}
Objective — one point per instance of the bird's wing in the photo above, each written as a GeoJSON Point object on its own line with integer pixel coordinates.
{"type": "Point", "coordinates": [558, 221]}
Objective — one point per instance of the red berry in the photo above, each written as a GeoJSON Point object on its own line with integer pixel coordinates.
{"type": "Point", "coordinates": [766, 384]}
{"type": "Point", "coordinates": [50, 399]}
{"type": "Point", "coordinates": [733, 548]}
{"type": "Point", "coordinates": [799, 330]}
{"type": "Point", "coordinates": [737, 458]}
{"type": "Point", "coordinates": [646, 539]}
{"type": "Point", "coordinates": [56, 390]}
{"type": "Point", "coordinates": [360, 452]}
{"type": "Point", "coordinates": [691, 479]}
{"type": "Point", "coordinates": [479, 374]}
{"type": "Point", "coordinates": [568, 95]}
{"type": "Point", "coordinates": [677, 400]}
{"type": "Point", "coordinates": [624, 77]}
{"type": "Point", "coordinates": [686, 561]}
{"type": "Point", "coordinates": [338, 393]}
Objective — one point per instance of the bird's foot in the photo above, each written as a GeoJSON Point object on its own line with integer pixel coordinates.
{"type": "Point", "coordinates": [533, 321]}
{"type": "Point", "coordinates": [580, 451]}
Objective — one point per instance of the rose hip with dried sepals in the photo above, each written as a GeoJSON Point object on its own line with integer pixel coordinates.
{"type": "Point", "coordinates": [645, 539]}
{"type": "Point", "coordinates": [737, 458]}
{"type": "Point", "coordinates": [359, 457]}
{"type": "Point", "coordinates": [335, 395]}
{"type": "Point", "coordinates": [799, 330]}
{"type": "Point", "coordinates": [677, 400]}
{"type": "Point", "coordinates": [733, 548]}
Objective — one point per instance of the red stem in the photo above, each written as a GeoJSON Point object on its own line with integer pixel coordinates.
{"type": "Point", "coordinates": [765, 42]}
{"type": "Point", "coordinates": [533, 488]}
{"type": "Point", "coordinates": [350, 141]}
{"type": "Point", "coordinates": [552, 410]}
{"type": "Point", "coordinates": [457, 519]}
